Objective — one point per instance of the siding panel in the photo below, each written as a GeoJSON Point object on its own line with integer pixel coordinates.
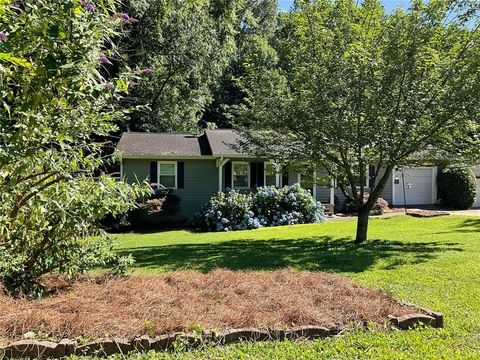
{"type": "Point", "coordinates": [200, 183]}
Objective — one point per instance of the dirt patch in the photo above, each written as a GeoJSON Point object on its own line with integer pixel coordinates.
{"type": "Point", "coordinates": [425, 213]}
{"type": "Point", "coordinates": [188, 300]}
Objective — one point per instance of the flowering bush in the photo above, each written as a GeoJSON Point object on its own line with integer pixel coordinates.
{"type": "Point", "coordinates": [380, 205]}
{"type": "Point", "coordinates": [267, 206]}
{"type": "Point", "coordinates": [227, 211]}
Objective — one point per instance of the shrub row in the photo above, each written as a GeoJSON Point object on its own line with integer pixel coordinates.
{"type": "Point", "coordinates": [266, 206]}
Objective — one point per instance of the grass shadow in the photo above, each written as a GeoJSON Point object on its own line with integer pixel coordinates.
{"type": "Point", "coordinates": [321, 253]}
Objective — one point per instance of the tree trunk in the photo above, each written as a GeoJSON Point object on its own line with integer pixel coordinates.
{"type": "Point", "coordinates": [362, 225]}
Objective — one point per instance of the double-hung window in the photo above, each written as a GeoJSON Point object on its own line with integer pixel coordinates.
{"type": "Point", "coordinates": [167, 174]}
{"type": "Point", "coordinates": [241, 175]}
{"type": "Point", "coordinates": [270, 174]}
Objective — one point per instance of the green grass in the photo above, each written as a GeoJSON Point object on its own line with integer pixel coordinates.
{"type": "Point", "coordinates": [431, 262]}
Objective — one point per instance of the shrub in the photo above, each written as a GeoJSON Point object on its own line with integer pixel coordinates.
{"type": "Point", "coordinates": [151, 211]}
{"type": "Point", "coordinates": [457, 187]}
{"type": "Point", "coordinates": [228, 211]}
{"type": "Point", "coordinates": [267, 206]}
{"type": "Point", "coordinates": [148, 212]}
{"type": "Point", "coordinates": [380, 205]}
{"type": "Point", "coordinates": [60, 105]}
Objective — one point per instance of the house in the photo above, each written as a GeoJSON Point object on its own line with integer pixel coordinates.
{"type": "Point", "coordinates": [197, 166]}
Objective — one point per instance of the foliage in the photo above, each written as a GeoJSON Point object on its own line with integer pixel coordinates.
{"type": "Point", "coordinates": [227, 211]}
{"type": "Point", "coordinates": [57, 102]}
{"type": "Point", "coordinates": [267, 206]}
{"type": "Point", "coordinates": [355, 86]}
{"type": "Point", "coordinates": [457, 187]}
{"type": "Point", "coordinates": [255, 24]}
{"type": "Point", "coordinates": [152, 210]}
{"type": "Point", "coordinates": [194, 51]}
{"type": "Point", "coordinates": [378, 208]}
{"type": "Point", "coordinates": [407, 260]}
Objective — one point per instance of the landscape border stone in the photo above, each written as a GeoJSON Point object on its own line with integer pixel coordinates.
{"type": "Point", "coordinates": [109, 346]}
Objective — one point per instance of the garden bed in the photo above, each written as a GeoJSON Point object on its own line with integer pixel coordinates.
{"type": "Point", "coordinates": [188, 300]}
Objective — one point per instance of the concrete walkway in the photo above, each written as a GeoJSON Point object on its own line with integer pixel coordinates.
{"type": "Point", "coordinates": [469, 212]}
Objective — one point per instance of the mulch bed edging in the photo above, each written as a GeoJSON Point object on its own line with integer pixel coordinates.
{"type": "Point", "coordinates": [110, 346]}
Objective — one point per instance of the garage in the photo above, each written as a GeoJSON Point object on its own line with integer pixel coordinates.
{"type": "Point", "coordinates": [414, 186]}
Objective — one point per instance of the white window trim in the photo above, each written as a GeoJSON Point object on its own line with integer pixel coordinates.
{"type": "Point", "coordinates": [277, 174]}
{"type": "Point", "coordinates": [159, 186]}
{"type": "Point", "coordinates": [248, 172]}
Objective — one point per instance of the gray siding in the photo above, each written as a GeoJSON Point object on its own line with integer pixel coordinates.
{"type": "Point", "coordinates": [136, 170]}
{"type": "Point", "coordinates": [201, 182]}
{"type": "Point", "coordinates": [323, 193]}
{"type": "Point", "coordinates": [387, 192]}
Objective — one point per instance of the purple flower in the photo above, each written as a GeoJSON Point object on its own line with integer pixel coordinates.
{"type": "Point", "coordinates": [3, 36]}
{"type": "Point", "coordinates": [90, 7]}
{"type": "Point", "coordinates": [109, 86]}
{"type": "Point", "coordinates": [125, 18]}
{"type": "Point", "coordinates": [84, 2]}
{"type": "Point", "coordinates": [104, 60]}
{"type": "Point", "coordinates": [148, 71]}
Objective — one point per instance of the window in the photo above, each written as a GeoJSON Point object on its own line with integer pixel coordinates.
{"type": "Point", "coordinates": [241, 175]}
{"type": "Point", "coordinates": [371, 172]}
{"type": "Point", "coordinates": [167, 174]}
{"type": "Point", "coordinates": [270, 174]}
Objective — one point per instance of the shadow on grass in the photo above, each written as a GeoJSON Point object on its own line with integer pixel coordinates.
{"type": "Point", "coordinates": [470, 225]}
{"type": "Point", "coordinates": [316, 253]}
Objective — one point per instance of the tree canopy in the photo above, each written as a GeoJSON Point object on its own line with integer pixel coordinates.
{"type": "Point", "coordinates": [356, 87]}
{"type": "Point", "coordinates": [195, 50]}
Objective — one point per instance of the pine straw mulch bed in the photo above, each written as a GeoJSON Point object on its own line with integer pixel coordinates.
{"type": "Point", "coordinates": [187, 300]}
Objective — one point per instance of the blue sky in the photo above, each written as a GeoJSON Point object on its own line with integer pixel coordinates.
{"type": "Point", "coordinates": [389, 4]}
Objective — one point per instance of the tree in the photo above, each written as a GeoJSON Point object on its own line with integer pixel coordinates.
{"type": "Point", "coordinates": [57, 99]}
{"type": "Point", "coordinates": [356, 87]}
{"type": "Point", "coordinates": [194, 51]}
{"type": "Point", "coordinates": [185, 45]}
{"type": "Point", "coordinates": [255, 25]}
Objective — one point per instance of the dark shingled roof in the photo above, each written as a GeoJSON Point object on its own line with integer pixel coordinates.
{"type": "Point", "coordinates": [163, 144]}
{"type": "Point", "coordinates": [221, 141]}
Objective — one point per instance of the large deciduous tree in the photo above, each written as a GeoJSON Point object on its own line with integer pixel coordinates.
{"type": "Point", "coordinates": [194, 51]}
{"type": "Point", "coordinates": [356, 87]}
{"type": "Point", "coordinates": [57, 99]}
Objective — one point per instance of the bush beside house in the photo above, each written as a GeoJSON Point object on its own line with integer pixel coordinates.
{"type": "Point", "coordinates": [457, 187]}
{"type": "Point", "coordinates": [380, 205]}
{"type": "Point", "coordinates": [266, 206]}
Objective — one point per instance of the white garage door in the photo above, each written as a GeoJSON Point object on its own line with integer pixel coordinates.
{"type": "Point", "coordinates": [477, 199]}
{"type": "Point", "coordinates": [418, 186]}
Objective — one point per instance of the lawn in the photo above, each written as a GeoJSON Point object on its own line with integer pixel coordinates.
{"type": "Point", "coordinates": [431, 262]}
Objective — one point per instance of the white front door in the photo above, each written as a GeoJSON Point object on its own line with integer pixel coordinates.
{"type": "Point", "coordinates": [418, 189]}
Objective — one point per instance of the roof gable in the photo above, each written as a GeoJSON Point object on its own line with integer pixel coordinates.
{"type": "Point", "coordinates": [163, 145]}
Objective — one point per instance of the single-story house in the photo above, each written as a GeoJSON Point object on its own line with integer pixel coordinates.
{"type": "Point", "coordinates": [197, 166]}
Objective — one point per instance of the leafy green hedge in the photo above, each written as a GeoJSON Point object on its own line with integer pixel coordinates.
{"type": "Point", "coordinates": [457, 187]}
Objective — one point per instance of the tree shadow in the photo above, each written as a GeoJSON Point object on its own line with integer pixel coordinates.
{"type": "Point", "coordinates": [469, 225]}
{"type": "Point", "coordinates": [321, 253]}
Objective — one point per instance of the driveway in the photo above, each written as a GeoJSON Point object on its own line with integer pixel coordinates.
{"type": "Point", "coordinates": [470, 212]}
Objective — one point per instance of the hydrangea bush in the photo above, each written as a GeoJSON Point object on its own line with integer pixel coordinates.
{"type": "Point", "coordinates": [266, 206]}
